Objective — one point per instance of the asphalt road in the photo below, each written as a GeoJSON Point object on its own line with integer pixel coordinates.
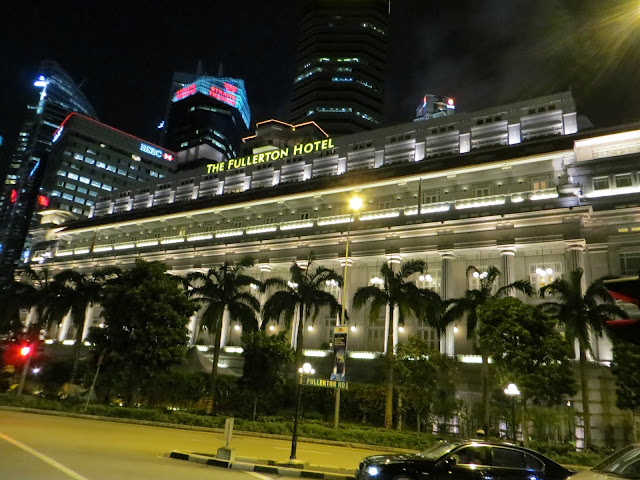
{"type": "Point", "coordinates": [36, 446]}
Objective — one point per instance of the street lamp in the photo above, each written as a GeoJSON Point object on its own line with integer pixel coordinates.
{"type": "Point", "coordinates": [355, 204]}
{"type": "Point", "coordinates": [512, 392]}
{"type": "Point", "coordinates": [306, 369]}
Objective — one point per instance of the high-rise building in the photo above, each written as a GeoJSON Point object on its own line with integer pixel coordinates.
{"type": "Point", "coordinates": [206, 118]}
{"type": "Point", "coordinates": [90, 159]}
{"type": "Point", "coordinates": [434, 106]}
{"type": "Point", "coordinates": [340, 65]}
{"type": "Point", "coordinates": [55, 95]}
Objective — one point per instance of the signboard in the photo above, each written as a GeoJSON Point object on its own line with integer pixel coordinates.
{"type": "Point", "coordinates": [319, 382]}
{"type": "Point", "coordinates": [270, 156]}
{"type": "Point", "coordinates": [156, 152]}
{"type": "Point", "coordinates": [340, 352]}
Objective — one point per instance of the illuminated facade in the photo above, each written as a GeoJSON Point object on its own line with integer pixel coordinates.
{"type": "Point", "coordinates": [525, 192]}
{"type": "Point", "coordinates": [341, 65]}
{"type": "Point", "coordinates": [90, 159]}
{"type": "Point", "coordinates": [207, 118]}
{"type": "Point", "coordinates": [55, 95]}
{"type": "Point", "coordinates": [434, 106]}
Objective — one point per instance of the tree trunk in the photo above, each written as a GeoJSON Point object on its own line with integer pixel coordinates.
{"type": "Point", "coordinates": [584, 385]}
{"type": "Point", "coordinates": [418, 420]}
{"type": "Point", "coordinates": [299, 332]}
{"type": "Point", "coordinates": [484, 377]}
{"type": "Point", "coordinates": [388, 400]}
{"type": "Point", "coordinates": [214, 367]}
{"type": "Point", "coordinates": [525, 425]}
{"type": "Point", "coordinates": [399, 423]}
{"type": "Point", "coordinates": [255, 405]}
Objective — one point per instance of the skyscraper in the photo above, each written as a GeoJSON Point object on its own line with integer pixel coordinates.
{"type": "Point", "coordinates": [55, 95]}
{"type": "Point", "coordinates": [341, 63]}
{"type": "Point", "coordinates": [206, 118]}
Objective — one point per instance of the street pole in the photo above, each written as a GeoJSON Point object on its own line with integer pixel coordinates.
{"type": "Point", "coordinates": [294, 438]}
{"type": "Point", "coordinates": [23, 377]}
{"type": "Point", "coordinates": [336, 409]}
{"type": "Point", "coordinates": [513, 417]}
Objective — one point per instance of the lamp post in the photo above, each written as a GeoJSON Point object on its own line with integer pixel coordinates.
{"type": "Point", "coordinates": [306, 369]}
{"type": "Point", "coordinates": [355, 204]}
{"type": "Point", "coordinates": [512, 392]}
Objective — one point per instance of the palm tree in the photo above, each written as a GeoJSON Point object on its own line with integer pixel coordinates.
{"type": "Point", "coordinates": [225, 292]}
{"type": "Point", "coordinates": [469, 304]}
{"type": "Point", "coordinates": [395, 292]}
{"type": "Point", "coordinates": [41, 292]}
{"type": "Point", "coordinates": [14, 296]}
{"type": "Point", "coordinates": [79, 292]}
{"type": "Point", "coordinates": [579, 314]}
{"type": "Point", "coordinates": [305, 291]}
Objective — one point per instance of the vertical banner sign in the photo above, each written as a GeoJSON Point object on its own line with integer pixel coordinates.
{"type": "Point", "coordinates": [340, 351]}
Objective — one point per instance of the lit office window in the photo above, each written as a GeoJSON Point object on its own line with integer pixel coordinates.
{"type": "Point", "coordinates": [72, 176]}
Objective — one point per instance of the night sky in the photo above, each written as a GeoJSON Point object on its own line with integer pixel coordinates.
{"type": "Point", "coordinates": [482, 52]}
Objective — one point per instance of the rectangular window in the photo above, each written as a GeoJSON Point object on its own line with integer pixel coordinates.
{"type": "Point", "coordinates": [111, 168]}
{"type": "Point", "coordinates": [92, 193]}
{"type": "Point", "coordinates": [483, 190]}
{"type": "Point", "coordinates": [541, 274]}
{"type": "Point", "coordinates": [80, 200]}
{"type": "Point", "coordinates": [630, 263]}
{"type": "Point", "coordinates": [600, 183]}
{"type": "Point", "coordinates": [539, 183]}
{"type": "Point", "coordinates": [62, 173]}
{"type": "Point", "coordinates": [66, 196]}
{"type": "Point", "coordinates": [432, 196]}
{"type": "Point", "coordinates": [305, 214]}
{"type": "Point", "coordinates": [384, 204]}
{"type": "Point", "coordinates": [122, 172]}
{"type": "Point", "coordinates": [238, 223]}
{"type": "Point", "coordinates": [85, 180]}
{"type": "Point", "coordinates": [72, 176]}
{"type": "Point", "coordinates": [70, 186]}
{"type": "Point", "coordinates": [95, 183]}
{"type": "Point", "coordinates": [101, 165]}
{"type": "Point", "coordinates": [89, 160]}
{"type": "Point", "coordinates": [623, 180]}
{"type": "Point", "coordinates": [77, 210]}
{"type": "Point", "coordinates": [82, 190]}
{"type": "Point", "coordinates": [106, 187]}
{"type": "Point", "coordinates": [269, 219]}
{"type": "Point", "coordinates": [153, 174]}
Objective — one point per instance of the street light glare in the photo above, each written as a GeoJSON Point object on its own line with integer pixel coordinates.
{"type": "Point", "coordinates": [355, 203]}
{"type": "Point", "coordinates": [512, 389]}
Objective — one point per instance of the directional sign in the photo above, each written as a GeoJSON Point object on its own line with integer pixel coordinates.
{"type": "Point", "coordinates": [318, 382]}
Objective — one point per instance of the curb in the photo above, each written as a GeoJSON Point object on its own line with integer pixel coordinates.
{"type": "Point", "coordinates": [248, 466]}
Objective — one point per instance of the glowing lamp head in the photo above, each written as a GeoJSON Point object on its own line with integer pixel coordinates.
{"type": "Point", "coordinates": [353, 328]}
{"type": "Point", "coordinates": [355, 203]}
{"type": "Point", "coordinates": [25, 351]}
{"type": "Point", "coordinates": [236, 328]}
{"type": "Point", "coordinates": [450, 101]}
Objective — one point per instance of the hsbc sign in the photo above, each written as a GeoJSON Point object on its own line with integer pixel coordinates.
{"type": "Point", "coordinates": [156, 152]}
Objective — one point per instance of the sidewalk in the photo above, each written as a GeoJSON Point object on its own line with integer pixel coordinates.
{"type": "Point", "coordinates": [286, 469]}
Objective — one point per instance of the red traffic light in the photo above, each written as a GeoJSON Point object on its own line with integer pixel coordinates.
{"type": "Point", "coordinates": [25, 351]}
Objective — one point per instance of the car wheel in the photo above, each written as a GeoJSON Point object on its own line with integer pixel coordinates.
{"type": "Point", "coordinates": [403, 477]}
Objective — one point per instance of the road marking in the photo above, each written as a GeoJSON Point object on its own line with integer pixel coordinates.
{"type": "Point", "coordinates": [259, 475]}
{"type": "Point", "coordinates": [44, 458]}
{"type": "Point", "coordinates": [308, 451]}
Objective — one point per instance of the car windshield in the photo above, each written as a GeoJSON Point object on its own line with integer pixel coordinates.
{"type": "Point", "coordinates": [625, 463]}
{"type": "Point", "coordinates": [436, 451]}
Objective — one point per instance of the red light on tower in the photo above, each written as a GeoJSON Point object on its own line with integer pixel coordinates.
{"type": "Point", "coordinates": [43, 201]}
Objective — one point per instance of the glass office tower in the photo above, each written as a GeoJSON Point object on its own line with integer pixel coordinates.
{"type": "Point", "coordinates": [341, 62]}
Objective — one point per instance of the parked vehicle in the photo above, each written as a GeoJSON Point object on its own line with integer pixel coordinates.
{"type": "Point", "coordinates": [472, 460]}
{"type": "Point", "coordinates": [624, 463]}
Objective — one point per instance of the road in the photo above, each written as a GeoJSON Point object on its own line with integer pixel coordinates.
{"type": "Point", "coordinates": [34, 446]}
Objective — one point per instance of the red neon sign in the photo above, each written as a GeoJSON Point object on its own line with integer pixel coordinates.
{"type": "Point", "coordinates": [223, 96]}
{"type": "Point", "coordinates": [186, 91]}
{"type": "Point", "coordinates": [43, 201]}
{"type": "Point", "coordinates": [230, 88]}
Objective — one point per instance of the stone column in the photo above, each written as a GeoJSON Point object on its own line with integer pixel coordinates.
{"type": "Point", "coordinates": [64, 328]}
{"type": "Point", "coordinates": [191, 327]}
{"type": "Point", "coordinates": [447, 341]}
{"type": "Point", "coordinates": [88, 321]}
{"type": "Point", "coordinates": [507, 252]}
{"type": "Point", "coordinates": [32, 317]}
{"type": "Point", "coordinates": [575, 258]}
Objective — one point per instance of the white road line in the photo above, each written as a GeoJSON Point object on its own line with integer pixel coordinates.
{"type": "Point", "coordinates": [44, 458]}
{"type": "Point", "coordinates": [259, 475]}
{"type": "Point", "coordinates": [308, 451]}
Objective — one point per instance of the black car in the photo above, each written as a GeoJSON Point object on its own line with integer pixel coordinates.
{"type": "Point", "coordinates": [473, 460]}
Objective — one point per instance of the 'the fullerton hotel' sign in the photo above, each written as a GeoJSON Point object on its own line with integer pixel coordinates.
{"type": "Point", "coordinates": [270, 156]}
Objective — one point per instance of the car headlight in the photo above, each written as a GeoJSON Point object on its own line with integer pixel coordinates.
{"type": "Point", "coordinates": [373, 471]}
